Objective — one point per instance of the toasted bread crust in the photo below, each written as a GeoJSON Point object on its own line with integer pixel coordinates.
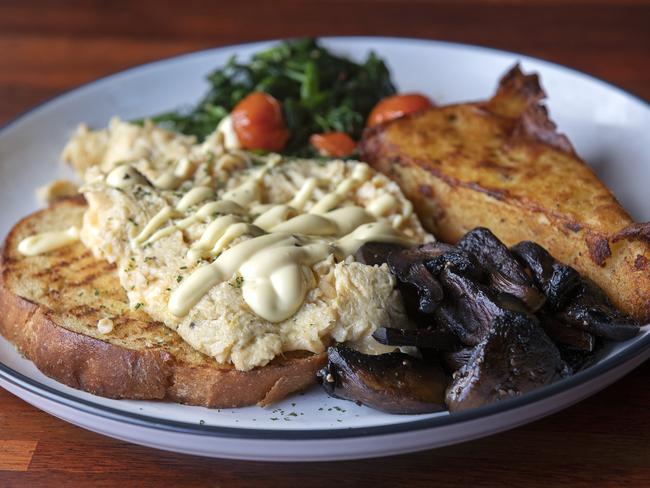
{"type": "Point", "coordinates": [141, 359]}
{"type": "Point", "coordinates": [501, 164]}
{"type": "Point", "coordinates": [81, 361]}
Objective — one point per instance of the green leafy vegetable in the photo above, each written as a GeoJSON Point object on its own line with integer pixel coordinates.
{"type": "Point", "coordinates": [319, 92]}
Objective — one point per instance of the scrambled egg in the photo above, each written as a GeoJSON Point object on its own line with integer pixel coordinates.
{"type": "Point", "coordinates": [346, 300]}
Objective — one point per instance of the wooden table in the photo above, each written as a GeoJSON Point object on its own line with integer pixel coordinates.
{"type": "Point", "coordinates": [48, 47]}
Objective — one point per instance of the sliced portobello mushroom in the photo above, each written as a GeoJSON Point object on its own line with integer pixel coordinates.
{"type": "Point", "coordinates": [447, 316]}
{"type": "Point", "coordinates": [408, 266]}
{"type": "Point", "coordinates": [470, 308]}
{"type": "Point", "coordinates": [527, 293]}
{"type": "Point", "coordinates": [591, 310]}
{"type": "Point", "coordinates": [394, 383]}
{"type": "Point", "coordinates": [558, 281]}
{"type": "Point", "coordinates": [516, 356]}
{"type": "Point", "coordinates": [432, 337]}
{"type": "Point", "coordinates": [460, 261]}
{"type": "Point", "coordinates": [507, 274]}
{"type": "Point", "coordinates": [375, 253]}
{"type": "Point", "coordinates": [487, 247]}
{"type": "Point", "coordinates": [571, 337]}
{"type": "Point", "coordinates": [577, 359]}
{"type": "Point", "coordinates": [411, 298]}
{"type": "Point", "coordinates": [457, 359]}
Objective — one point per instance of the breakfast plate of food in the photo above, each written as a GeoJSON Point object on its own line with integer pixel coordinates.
{"type": "Point", "coordinates": [324, 249]}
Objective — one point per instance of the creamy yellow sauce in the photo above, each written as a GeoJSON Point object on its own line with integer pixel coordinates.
{"type": "Point", "coordinates": [48, 241]}
{"type": "Point", "coordinates": [245, 257]}
{"type": "Point", "coordinates": [105, 325]}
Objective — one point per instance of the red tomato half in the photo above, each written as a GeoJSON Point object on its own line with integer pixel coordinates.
{"type": "Point", "coordinates": [397, 106]}
{"type": "Point", "coordinates": [333, 144]}
{"type": "Point", "coordinates": [258, 122]}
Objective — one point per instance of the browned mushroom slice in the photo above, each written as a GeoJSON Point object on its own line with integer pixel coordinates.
{"type": "Point", "coordinates": [460, 261]}
{"type": "Point", "coordinates": [435, 337]}
{"type": "Point", "coordinates": [375, 253]}
{"type": "Point", "coordinates": [525, 292]}
{"type": "Point", "coordinates": [483, 244]}
{"type": "Point", "coordinates": [408, 266]}
{"type": "Point", "coordinates": [558, 281]}
{"type": "Point", "coordinates": [470, 308]}
{"type": "Point", "coordinates": [462, 324]}
{"type": "Point", "coordinates": [394, 383]}
{"type": "Point", "coordinates": [577, 359]}
{"type": "Point", "coordinates": [515, 357]}
{"type": "Point", "coordinates": [590, 310]}
{"type": "Point", "coordinates": [508, 274]}
{"type": "Point", "coordinates": [565, 334]}
{"type": "Point", "coordinates": [457, 359]}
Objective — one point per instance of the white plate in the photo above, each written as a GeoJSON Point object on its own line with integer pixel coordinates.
{"type": "Point", "coordinates": [608, 126]}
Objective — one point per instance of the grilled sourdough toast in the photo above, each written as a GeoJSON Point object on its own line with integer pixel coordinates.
{"type": "Point", "coordinates": [51, 304]}
{"type": "Point", "coordinates": [502, 165]}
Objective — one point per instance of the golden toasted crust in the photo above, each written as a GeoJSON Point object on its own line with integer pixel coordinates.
{"type": "Point", "coordinates": [501, 164]}
{"type": "Point", "coordinates": [50, 307]}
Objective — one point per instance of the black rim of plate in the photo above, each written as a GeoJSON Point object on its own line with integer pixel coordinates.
{"type": "Point", "coordinates": [93, 408]}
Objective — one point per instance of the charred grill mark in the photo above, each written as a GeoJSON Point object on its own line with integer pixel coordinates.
{"type": "Point", "coordinates": [84, 262]}
{"type": "Point", "coordinates": [45, 273]}
{"type": "Point", "coordinates": [61, 261]}
{"type": "Point", "coordinates": [534, 124]}
{"type": "Point", "coordinates": [84, 311]}
{"type": "Point", "coordinates": [573, 226]}
{"type": "Point", "coordinates": [90, 267]}
{"type": "Point", "coordinates": [598, 247]}
{"type": "Point", "coordinates": [641, 262]}
{"type": "Point", "coordinates": [500, 195]}
{"type": "Point", "coordinates": [70, 252]}
{"type": "Point", "coordinates": [639, 232]}
{"type": "Point", "coordinates": [98, 269]}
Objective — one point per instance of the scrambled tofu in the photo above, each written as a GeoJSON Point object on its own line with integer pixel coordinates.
{"type": "Point", "coordinates": [345, 300]}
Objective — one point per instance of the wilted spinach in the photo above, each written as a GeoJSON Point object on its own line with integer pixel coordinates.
{"type": "Point", "coordinates": [319, 92]}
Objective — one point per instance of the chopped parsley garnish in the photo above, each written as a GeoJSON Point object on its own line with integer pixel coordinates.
{"type": "Point", "coordinates": [140, 192]}
{"type": "Point", "coordinates": [237, 283]}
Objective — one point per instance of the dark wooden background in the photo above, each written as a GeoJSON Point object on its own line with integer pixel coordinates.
{"type": "Point", "coordinates": [50, 46]}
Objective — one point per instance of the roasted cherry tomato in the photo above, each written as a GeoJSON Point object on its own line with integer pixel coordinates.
{"type": "Point", "coordinates": [333, 144]}
{"type": "Point", "coordinates": [258, 123]}
{"type": "Point", "coordinates": [397, 106]}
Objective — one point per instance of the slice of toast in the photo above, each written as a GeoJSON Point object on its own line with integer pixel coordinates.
{"type": "Point", "coordinates": [50, 307]}
{"type": "Point", "coordinates": [502, 165]}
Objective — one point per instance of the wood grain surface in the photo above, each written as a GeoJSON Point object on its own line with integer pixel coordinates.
{"type": "Point", "coordinates": [47, 47]}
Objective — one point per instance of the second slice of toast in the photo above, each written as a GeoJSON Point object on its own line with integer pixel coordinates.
{"type": "Point", "coordinates": [501, 164]}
